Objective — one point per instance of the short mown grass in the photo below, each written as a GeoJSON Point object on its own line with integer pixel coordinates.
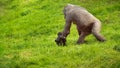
{"type": "Point", "coordinates": [28, 29]}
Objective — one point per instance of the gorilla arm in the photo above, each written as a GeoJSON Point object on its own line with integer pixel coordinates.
{"type": "Point", "coordinates": [66, 30]}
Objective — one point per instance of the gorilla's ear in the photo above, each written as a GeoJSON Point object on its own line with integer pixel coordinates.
{"type": "Point", "coordinates": [59, 33]}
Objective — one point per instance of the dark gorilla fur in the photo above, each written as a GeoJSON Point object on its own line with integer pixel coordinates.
{"type": "Point", "coordinates": [61, 40]}
{"type": "Point", "coordinates": [85, 22]}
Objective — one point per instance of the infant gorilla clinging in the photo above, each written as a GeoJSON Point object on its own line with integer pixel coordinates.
{"type": "Point", "coordinates": [85, 22]}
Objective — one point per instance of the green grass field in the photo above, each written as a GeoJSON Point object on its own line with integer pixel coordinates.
{"type": "Point", "coordinates": [28, 29]}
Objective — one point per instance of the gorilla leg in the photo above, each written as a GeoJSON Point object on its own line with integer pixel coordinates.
{"type": "Point", "coordinates": [96, 32]}
{"type": "Point", "coordinates": [78, 29]}
{"type": "Point", "coordinates": [82, 37]}
{"type": "Point", "coordinates": [98, 36]}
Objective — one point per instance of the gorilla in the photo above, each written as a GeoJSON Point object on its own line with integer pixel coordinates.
{"type": "Point", "coordinates": [85, 22]}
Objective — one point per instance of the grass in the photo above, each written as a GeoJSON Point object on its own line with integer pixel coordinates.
{"type": "Point", "coordinates": [28, 29]}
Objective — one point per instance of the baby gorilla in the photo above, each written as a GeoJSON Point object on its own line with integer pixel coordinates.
{"type": "Point", "coordinates": [61, 40]}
